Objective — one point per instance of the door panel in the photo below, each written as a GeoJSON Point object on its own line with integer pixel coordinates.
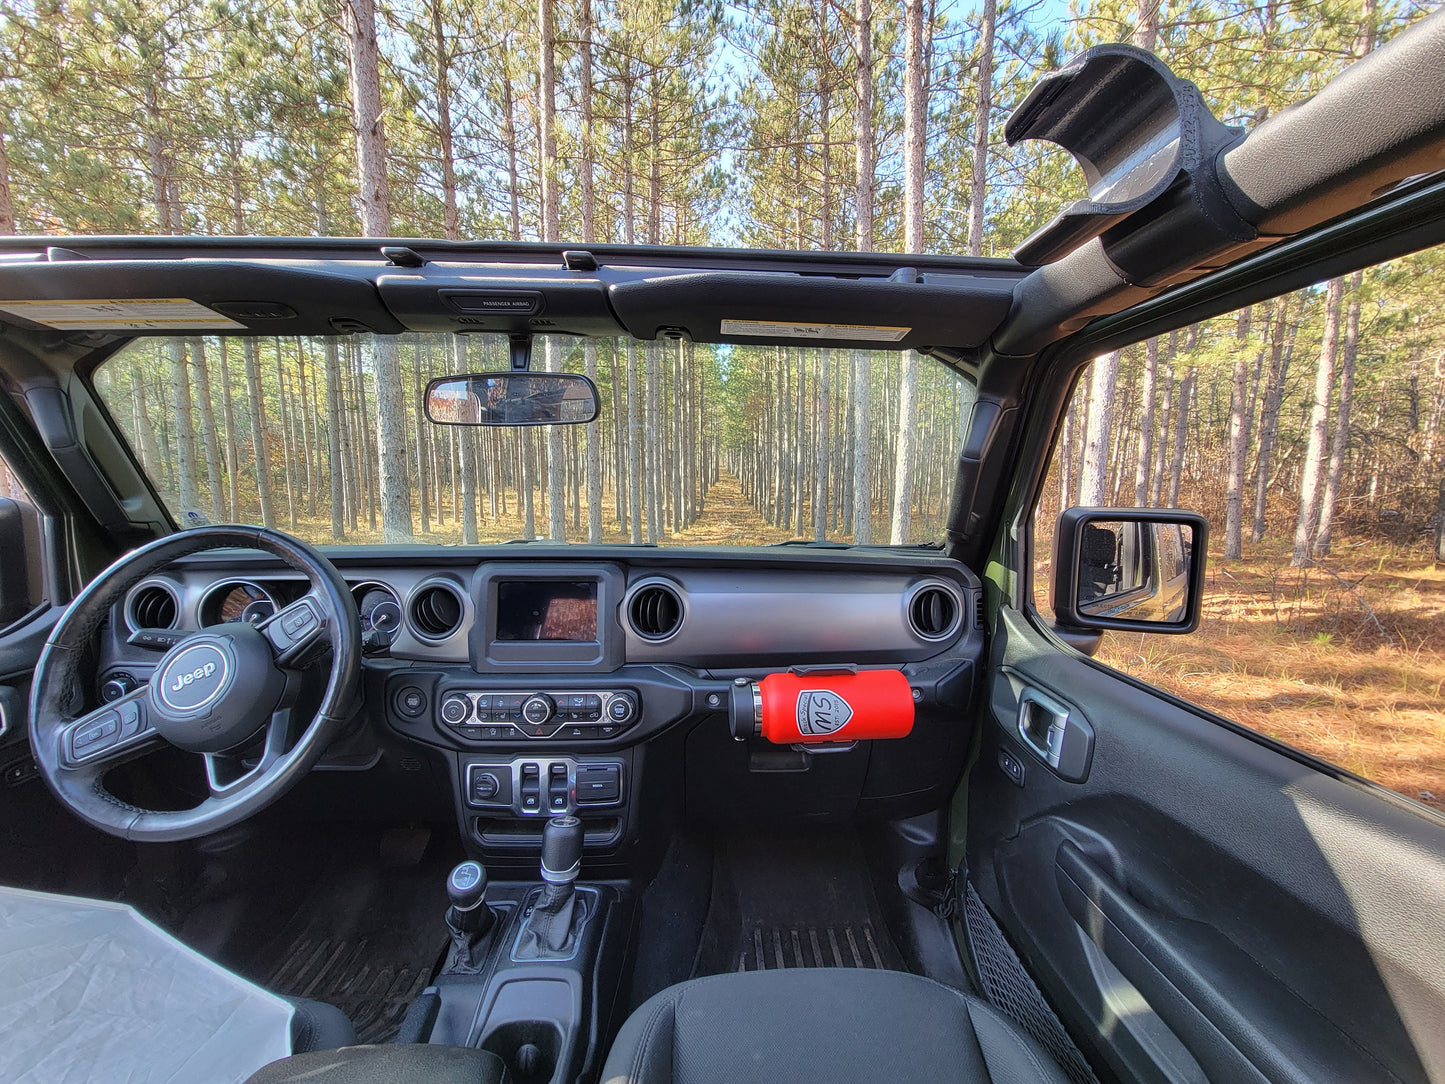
{"type": "Point", "coordinates": [1201, 902]}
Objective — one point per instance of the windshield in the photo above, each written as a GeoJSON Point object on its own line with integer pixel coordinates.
{"type": "Point", "coordinates": [694, 445]}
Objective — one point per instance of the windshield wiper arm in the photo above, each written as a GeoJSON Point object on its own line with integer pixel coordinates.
{"type": "Point", "coordinates": [814, 544]}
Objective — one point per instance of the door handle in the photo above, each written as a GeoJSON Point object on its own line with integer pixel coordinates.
{"type": "Point", "coordinates": [1058, 735]}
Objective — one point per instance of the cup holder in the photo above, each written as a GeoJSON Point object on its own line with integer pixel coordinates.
{"type": "Point", "coordinates": [529, 1047]}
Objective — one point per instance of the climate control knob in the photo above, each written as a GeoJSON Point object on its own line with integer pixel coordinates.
{"type": "Point", "coordinates": [538, 708]}
{"type": "Point", "coordinates": [455, 708]}
{"type": "Point", "coordinates": [621, 708]}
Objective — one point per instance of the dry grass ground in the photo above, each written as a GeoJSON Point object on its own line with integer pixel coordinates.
{"type": "Point", "coordinates": [1345, 660]}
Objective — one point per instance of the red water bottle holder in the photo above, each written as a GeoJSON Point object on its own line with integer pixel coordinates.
{"type": "Point", "coordinates": [816, 705]}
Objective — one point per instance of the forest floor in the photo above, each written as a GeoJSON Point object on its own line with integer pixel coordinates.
{"type": "Point", "coordinates": [1345, 660]}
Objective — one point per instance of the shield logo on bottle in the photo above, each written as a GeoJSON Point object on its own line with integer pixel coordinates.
{"type": "Point", "coordinates": [821, 711]}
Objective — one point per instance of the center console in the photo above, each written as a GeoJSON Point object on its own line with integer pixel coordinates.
{"type": "Point", "coordinates": [533, 968]}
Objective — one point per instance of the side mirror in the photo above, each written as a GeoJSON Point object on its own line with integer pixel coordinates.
{"type": "Point", "coordinates": [512, 399]}
{"type": "Point", "coordinates": [22, 579]}
{"type": "Point", "coordinates": [1133, 569]}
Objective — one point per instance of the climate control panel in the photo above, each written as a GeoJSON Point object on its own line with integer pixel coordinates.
{"type": "Point", "coordinates": [486, 715]}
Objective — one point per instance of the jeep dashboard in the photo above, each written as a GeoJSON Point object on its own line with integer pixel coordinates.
{"type": "Point", "coordinates": [531, 680]}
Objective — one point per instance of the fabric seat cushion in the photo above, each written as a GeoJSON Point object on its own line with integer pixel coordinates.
{"type": "Point", "coordinates": [835, 1025]}
{"type": "Point", "coordinates": [386, 1065]}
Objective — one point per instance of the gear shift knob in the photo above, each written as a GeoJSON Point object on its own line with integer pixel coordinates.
{"type": "Point", "coordinates": [561, 850]}
{"type": "Point", "coordinates": [466, 885]}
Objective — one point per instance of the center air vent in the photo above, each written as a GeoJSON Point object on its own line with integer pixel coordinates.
{"type": "Point", "coordinates": [152, 606]}
{"type": "Point", "coordinates": [933, 611]}
{"type": "Point", "coordinates": [435, 611]}
{"type": "Point", "coordinates": [655, 612]}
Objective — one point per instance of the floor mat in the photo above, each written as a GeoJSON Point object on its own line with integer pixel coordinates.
{"type": "Point", "coordinates": [801, 900]}
{"type": "Point", "coordinates": [366, 940]}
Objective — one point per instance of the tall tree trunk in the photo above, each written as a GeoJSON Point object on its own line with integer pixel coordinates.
{"type": "Point", "coordinates": [1312, 471]}
{"type": "Point", "coordinates": [1238, 440]}
{"type": "Point", "coordinates": [982, 111]}
{"type": "Point", "coordinates": [863, 137]}
{"type": "Point", "coordinates": [1279, 358]}
{"type": "Point", "coordinates": [589, 234]}
{"type": "Point", "coordinates": [188, 494]}
{"type": "Point", "coordinates": [1144, 464]}
{"type": "Point", "coordinates": [338, 465]}
{"type": "Point", "coordinates": [215, 479]}
{"type": "Point", "coordinates": [7, 204]}
{"type": "Point", "coordinates": [1340, 443]}
{"type": "Point", "coordinates": [634, 442]}
{"type": "Point", "coordinates": [228, 417]}
{"type": "Point", "coordinates": [915, 135]}
{"type": "Point", "coordinates": [359, 20]}
{"type": "Point", "coordinates": [260, 437]}
{"type": "Point", "coordinates": [1099, 430]}
{"type": "Point", "coordinates": [1181, 434]}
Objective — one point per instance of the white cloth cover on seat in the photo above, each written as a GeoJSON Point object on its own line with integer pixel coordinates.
{"type": "Point", "coordinates": [91, 991]}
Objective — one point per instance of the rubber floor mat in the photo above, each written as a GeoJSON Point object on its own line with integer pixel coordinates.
{"type": "Point", "coordinates": [366, 940]}
{"type": "Point", "coordinates": [803, 900]}
{"type": "Point", "coordinates": [831, 946]}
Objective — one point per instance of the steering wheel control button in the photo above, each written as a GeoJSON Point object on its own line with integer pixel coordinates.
{"type": "Point", "coordinates": [456, 708]}
{"type": "Point", "coordinates": [129, 719]}
{"type": "Point", "coordinates": [411, 702]}
{"type": "Point", "coordinates": [299, 621]}
{"type": "Point", "coordinates": [96, 735]}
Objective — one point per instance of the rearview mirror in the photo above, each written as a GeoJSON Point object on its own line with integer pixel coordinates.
{"type": "Point", "coordinates": [1135, 569]}
{"type": "Point", "coordinates": [512, 399]}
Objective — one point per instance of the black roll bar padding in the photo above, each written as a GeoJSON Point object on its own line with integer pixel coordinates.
{"type": "Point", "coordinates": [1136, 129]}
{"type": "Point", "coordinates": [1380, 122]}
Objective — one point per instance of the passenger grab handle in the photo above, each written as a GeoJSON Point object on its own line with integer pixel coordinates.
{"type": "Point", "coordinates": [815, 707]}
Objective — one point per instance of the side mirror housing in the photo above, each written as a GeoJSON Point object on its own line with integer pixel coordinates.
{"type": "Point", "coordinates": [1130, 569]}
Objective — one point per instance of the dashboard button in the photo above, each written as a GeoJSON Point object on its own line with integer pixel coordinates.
{"type": "Point", "coordinates": [411, 702]}
{"type": "Point", "coordinates": [620, 709]}
{"type": "Point", "coordinates": [456, 708]}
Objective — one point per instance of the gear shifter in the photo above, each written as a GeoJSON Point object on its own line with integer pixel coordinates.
{"type": "Point", "coordinates": [549, 926]}
{"type": "Point", "coordinates": [468, 918]}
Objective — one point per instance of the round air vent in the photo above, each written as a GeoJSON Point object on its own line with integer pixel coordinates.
{"type": "Point", "coordinates": [435, 611]}
{"type": "Point", "coordinates": [655, 612]}
{"type": "Point", "coordinates": [152, 606]}
{"type": "Point", "coordinates": [933, 611]}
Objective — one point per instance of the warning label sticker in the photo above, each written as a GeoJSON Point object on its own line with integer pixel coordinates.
{"type": "Point", "coordinates": [787, 329]}
{"type": "Point", "coordinates": [821, 711]}
{"type": "Point", "coordinates": [124, 314]}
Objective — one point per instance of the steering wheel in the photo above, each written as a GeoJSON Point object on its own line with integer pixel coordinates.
{"type": "Point", "coordinates": [213, 693]}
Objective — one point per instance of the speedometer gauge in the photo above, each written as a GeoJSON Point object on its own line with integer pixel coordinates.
{"type": "Point", "coordinates": [380, 612]}
{"type": "Point", "coordinates": [236, 600]}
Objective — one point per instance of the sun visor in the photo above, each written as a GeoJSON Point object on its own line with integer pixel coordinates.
{"type": "Point", "coordinates": [900, 312]}
{"type": "Point", "coordinates": [93, 991]}
{"type": "Point", "coordinates": [227, 297]}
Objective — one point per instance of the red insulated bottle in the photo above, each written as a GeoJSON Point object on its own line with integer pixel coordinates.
{"type": "Point", "coordinates": [821, 707]}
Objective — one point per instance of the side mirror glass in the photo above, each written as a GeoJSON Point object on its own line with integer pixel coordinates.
{"type": "Point", "coordinates": [512, 399]}
{"type": "Point", "coordinates": [1135, 569]}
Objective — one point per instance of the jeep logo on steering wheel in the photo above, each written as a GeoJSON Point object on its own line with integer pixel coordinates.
{"type": "Point", "coordinates": [193, 678]}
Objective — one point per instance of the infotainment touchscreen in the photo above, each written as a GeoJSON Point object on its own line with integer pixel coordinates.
{"type": "Point", "coordinates": [547, 610]}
